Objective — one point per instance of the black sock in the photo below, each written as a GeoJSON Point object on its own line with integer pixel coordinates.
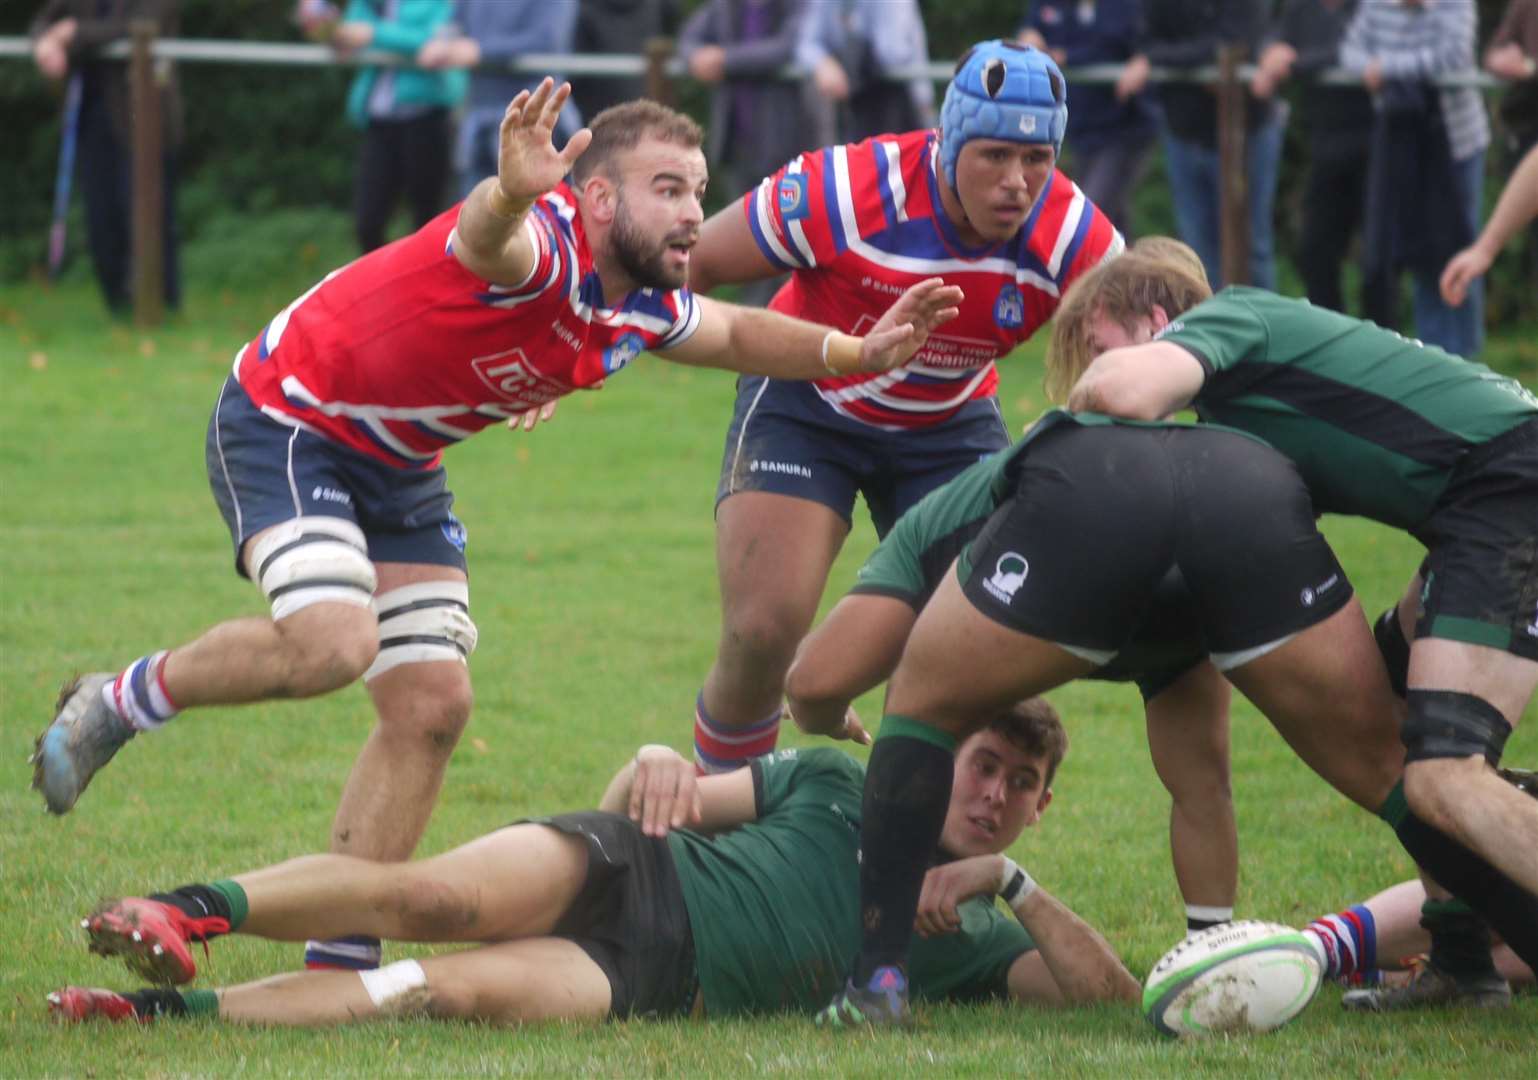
{"type": "Point", "coordinates": [1511, 909]}
{"type": "Point", "coordinates": [907, 793]}
{"type": "Point", "coordinates": [1460, 938]}
{"type": "Point", "coordinates": [151, 1003]}
{"type": "Point", "coordinates": [197, 902]}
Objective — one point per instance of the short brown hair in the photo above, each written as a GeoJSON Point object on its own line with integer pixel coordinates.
{"type": "Point", "coordinates": [1033, 726]}
{"type": "Point", "coordinates": [1157, 271]}
{"type": "Point", "coordinates": [622, 127]}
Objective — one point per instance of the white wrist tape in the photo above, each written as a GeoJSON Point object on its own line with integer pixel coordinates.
{"type": "Point", "coordinates": [1014, 883]}
{"type": "Point", "coordinates": [397, 988]}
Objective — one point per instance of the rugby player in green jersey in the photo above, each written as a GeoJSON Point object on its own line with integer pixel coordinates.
{"type": "Point", "coordinates": [1382, 427]}
{"type": "Point", "coordinates": [731, 894]}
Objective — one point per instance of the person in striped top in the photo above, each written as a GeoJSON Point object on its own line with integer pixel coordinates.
{"type": "Point", "coordinates": [979, 203]}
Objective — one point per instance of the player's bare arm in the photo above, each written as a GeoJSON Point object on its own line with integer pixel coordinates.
{"type": "Point", "coordinates": [759, 342]}
{"type": "Point", "coordinates": [1072, 963]}
{"type": "Point", "coordinates": [726, 253]}
{"type": "Point", "coordinates": [1138, 382]}
{"type": "Point", "coordinates": [658, 790]}
{"type": "Point", "coordinates": [854, 649]}
{"type": "Point", "coordinates": [492, 239]}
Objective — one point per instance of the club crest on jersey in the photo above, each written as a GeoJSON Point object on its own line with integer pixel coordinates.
{"type": "Point", "coordinates": [1008, 575]}
{"type": "Point", "coordinates": [454, 532]}
{"type": "Point", "coordinates": [792, 196]}
{"type": "Point", "coordinates": [1009, 308]}
{"type": "Point", "coordinates": [626, 349]}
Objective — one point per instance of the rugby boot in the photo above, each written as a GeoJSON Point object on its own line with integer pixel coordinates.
{"type": "Point", "coordinates": [883, 1002]}
{"type": "Point", "coordinates": [151, 937]}
{"type": "Point", "coordinates": [76, 1003]}
{"type": "Point", "coordinates": [1432, 988]}
{"type": "Point", "coordinates": [82, 738]}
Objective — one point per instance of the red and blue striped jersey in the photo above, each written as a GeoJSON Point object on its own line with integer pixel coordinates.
{"type": "Point", "coordinates": [859, 224]}
{"type": "Point", "coordinates": [404, 351]}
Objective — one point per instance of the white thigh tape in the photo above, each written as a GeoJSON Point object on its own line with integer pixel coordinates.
{"type": "Point", "coordinates": [396, 988]}
{"type": "Point", "coordinates": [311, 559]}
{"type": "Point", "coordinates": [421, 623]}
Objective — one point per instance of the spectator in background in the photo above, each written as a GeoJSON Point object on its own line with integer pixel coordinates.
{"type": "Point", "coordinates": [1186, 34]}
{"type": "Point", "coordinates": [852, 48]}
{"type": "Point", "coordinates": [758, 121]}
{"type": "Point", "coordinates": [1517, 206]}
{"type": "Point", "coordinates": [622, 27]}
{"type": "Point", "coordinates": [1339, 122]}
{"type": "Point", "coordinates": [492, 33]}
{"type": "Point", "coordinates": [1513, 55]}
{"type": "Point", "coordinates": [67, 37]}
{"type": "Point", "coordinates": [1428, 153]}
{"type": "Point", "coordinates": [1110, 131]}
{"type": "Point", "coordinates": [403, 111]}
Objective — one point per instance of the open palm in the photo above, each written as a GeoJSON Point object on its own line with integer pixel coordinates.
{"type": "Point", "coordinates": [528, 164]}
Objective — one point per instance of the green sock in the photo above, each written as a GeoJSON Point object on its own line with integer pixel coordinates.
{"type": "Point", "coordinates": [201, 1002]}
{"type": "Point", "coordinates": [235, 896]}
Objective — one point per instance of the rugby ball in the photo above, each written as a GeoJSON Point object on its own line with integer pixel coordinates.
{"type": "Point", "coordinates": [1235, 978]}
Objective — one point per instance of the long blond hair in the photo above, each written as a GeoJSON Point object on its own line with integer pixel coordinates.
{"type": "Point", "coordinates": [1157, 270]}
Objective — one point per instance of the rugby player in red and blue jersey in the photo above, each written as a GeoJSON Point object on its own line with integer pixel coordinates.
{"type": "Point", "coordinates": [324, 448]}
{"type": "Point", "coordinates": [979, 203]}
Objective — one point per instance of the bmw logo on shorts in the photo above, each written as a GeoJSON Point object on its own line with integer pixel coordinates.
{"type": "Point", "coordinates": [1009, 308]}
{"type": "Point", "coordinates": [626, 349]}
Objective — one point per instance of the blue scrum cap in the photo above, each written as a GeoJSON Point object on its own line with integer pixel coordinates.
{"type": "Point", "coordinates": [1002, 91]}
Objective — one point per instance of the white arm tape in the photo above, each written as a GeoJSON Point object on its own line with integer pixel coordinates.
{"type": "Point", "coordinates": [397, 988]}
{"type": "Point", "coordinates": [1014, 883]}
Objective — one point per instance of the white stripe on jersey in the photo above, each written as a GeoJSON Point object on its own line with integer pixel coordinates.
{"type": "Point", "coordinates": [911, 264]}
{"type": "Point", "coordinates": [686, 326]}
{"type": "Point", "coordinates": [372, 416]}
{"type": "Point", "coordinates": [871, 390]}
{"type": "Point", "coordinates": [796, 230]}
{"type": "Point", "coordinates": [894, 179]}
{"type": "Point", "coordinates": [1065, 234]}
{"type": "Point", "coordinates": [766, 199]}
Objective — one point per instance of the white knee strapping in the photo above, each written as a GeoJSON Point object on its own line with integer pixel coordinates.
{"type": "Point", "coordinates": [423, 622]}
{"type": "Point", "coordinates": [311, 559]}
{"type": "Point", "coordinates": [396, 988]}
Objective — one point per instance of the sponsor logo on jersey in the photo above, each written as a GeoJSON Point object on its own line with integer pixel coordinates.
{"type": "Point", "coordinates": [626, 349]}
{"type": "Point", "coordinates": [792, 196]}
{"type": "Point", "coordinates": [1008, 575]}
{"type": "Point", "coordinates": [330, 494]}
{"type": "Point", "coordinates": [1009, 308]}
{"type": "Point", "coordinates": [514, 379]}
{"type": "Point", "coordinates": [788, 468]}
{"type": "Point", "coordinates": [1311, 594]}
{"type": "Point", "coordinates": [454, 532]}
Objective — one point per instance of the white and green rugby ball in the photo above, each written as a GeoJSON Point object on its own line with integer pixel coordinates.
{"type": "Point", "coordinates": [1235, 978]}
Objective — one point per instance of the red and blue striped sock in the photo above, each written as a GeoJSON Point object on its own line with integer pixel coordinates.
{"type": "Point", "coordinates": [720, 749]}
{"type": "Point", "coordinates": [1349, 942]}
{"type": "Point", "coordinates": [139, 693]}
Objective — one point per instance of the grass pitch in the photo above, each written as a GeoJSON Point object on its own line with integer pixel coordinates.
{"type": "Point", "coordinates": [591, 549]}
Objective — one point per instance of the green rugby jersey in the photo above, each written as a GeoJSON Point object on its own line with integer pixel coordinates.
{"type": "Point", "coordinates": [1375, 422]}
{"type": "Point", "coordinates": [774, 905]}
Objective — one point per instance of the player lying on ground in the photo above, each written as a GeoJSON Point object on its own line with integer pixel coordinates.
{"type": "Point", "coordinates": [597, 914]}
{"type": "Point", "coordinates": [979, 202]}
{"type": "Point", "coordinates": [1404, 434]}
{"type": "Point", "coordinates": [1054, 586]}
{"type": "Point", "coordinates": [324, 448]}
{"type": "Point", "coordinates": [1185, 698]}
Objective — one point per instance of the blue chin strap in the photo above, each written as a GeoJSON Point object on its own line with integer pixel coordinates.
{"type": "Point", "coordinates": [1002, 91]}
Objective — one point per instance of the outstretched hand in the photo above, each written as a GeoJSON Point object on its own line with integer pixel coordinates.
{"type": "Point", "coordinates": [528, 164]}
{"type": "Point", "coordinates": [526, 420]}
{"type": "Point", "coordinates": [1462, 270]}
{"type": "Point", "coordinates": [906, 325]}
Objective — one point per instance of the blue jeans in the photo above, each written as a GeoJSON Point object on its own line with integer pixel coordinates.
{"type": "Point", "coordinates": [1459, 330]}
{"type": "Point", "coordinates": [1194, 186]}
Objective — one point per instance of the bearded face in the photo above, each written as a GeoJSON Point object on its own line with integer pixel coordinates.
{"type": "Point", "coordinates": [657, 258]}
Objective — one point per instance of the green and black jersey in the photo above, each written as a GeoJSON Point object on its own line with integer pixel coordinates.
{"type": "Point", "coordinates": [1375, 422]}
{"type": "Point", "coordinates": [774, 905]}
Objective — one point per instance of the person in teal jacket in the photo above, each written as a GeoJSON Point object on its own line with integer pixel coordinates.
{"type": "Point", "coordinates": [404, 111]}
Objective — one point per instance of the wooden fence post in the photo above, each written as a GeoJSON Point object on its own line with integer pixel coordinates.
{"type": "Point", "coordinates": [1233, 183]}
{"type": "Point", "coordinates": [148, 234]}
{"type": "Point", "coordinates": [659, 50]}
